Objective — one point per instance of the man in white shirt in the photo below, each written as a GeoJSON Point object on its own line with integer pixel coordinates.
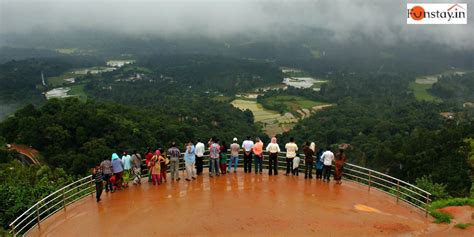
{"type": "Point", "coordinates": [328, 158]}
{"type": "Point", "coordinates": [291, 149]}
{"type": "Point", "coordinates": [247, 146]}
{"type": "Point", "coordinates": [199, 150]}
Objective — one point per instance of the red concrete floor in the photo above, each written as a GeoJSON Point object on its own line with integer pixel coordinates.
{"type": "Point", "coordinates": [240, 205]}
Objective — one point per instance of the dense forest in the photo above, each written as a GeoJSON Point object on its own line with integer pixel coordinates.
{"type": "Point", "coordinates": [75, 135]}
{"type": "Point", "coordinates": [455, 88]}
{"type": "Point", "coordinates": [390, 131]}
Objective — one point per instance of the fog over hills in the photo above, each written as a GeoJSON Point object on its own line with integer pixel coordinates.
{"type": "Point", "coordinates": [227, 19]}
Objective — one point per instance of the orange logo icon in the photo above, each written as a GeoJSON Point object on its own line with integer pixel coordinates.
{"type": "Point", "coordinates": [417, 13]}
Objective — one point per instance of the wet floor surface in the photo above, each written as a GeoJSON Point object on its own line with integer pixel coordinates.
{"type": "Point", "coordinates": [239, 205]}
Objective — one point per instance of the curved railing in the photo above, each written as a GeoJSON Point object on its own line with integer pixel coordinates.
{"type": "Point", "coordinates": [51, 204]}
{"type": "Point", "coordinates": [60, 199]}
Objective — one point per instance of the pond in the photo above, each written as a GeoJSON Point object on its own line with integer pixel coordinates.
{"type": "Point", "coordinates": [119, 63]}
{"type": "Point", "coordinates": [302, 82]}
{"type": "Point", "coordinates": [60, 92]}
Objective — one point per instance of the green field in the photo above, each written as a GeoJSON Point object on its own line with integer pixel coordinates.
{"type": "Point", "coordinates": [421, 92]}
{"type": "Point", "coordinates": [292, 103]}
{"type": "Point", "coordinates": [78, 90]}
{"type": "Point", "coordinates": [59, 80]}
{"type": "Point", "coordinates": [257, 109]}
{"type": "Point", "coordinates": [221, 98]}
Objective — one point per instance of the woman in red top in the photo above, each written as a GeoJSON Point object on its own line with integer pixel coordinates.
{"type": "Point", "coordinates": [148, 157]}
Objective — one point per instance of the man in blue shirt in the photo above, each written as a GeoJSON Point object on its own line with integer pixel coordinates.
{"type": "Point", "coordinates": [189, 161]}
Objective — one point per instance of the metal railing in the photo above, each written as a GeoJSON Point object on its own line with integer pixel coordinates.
{"type": "Point", "coordinates": [60, 199]}
{"type": "Point", "coordinates": [54, 202]}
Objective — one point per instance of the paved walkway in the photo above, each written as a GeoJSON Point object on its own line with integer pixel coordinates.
{"type": "Point", "coordinates": [240, 205]}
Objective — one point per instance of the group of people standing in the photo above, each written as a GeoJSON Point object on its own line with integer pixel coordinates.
{"type": "Point", "coordinates": [116, 172]}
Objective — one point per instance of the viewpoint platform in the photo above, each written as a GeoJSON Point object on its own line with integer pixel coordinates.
{"type": "Point", "coordinates": [239, 204]}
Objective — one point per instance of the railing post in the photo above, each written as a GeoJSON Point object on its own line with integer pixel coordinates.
{"type": "Point", "coordinates": [92, 186]}
{"type": "Point", "coordinates": [64, 200]}
{"type": "Point", "coordinates": [38, 215]}
{"type": "Point", "coordinates": [13, 230]}
{"type": "Point", "coordinates": [398, 190]}
{"type": "Point", "coordinates": [370, 178]}
{"type": "Point", "coordinates": [427, 203]}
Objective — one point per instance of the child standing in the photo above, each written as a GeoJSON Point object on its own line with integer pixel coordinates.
{"type": "Point", "coordinates": [296, 165]}
{"type": "Point", "coordinates": [98, 175]}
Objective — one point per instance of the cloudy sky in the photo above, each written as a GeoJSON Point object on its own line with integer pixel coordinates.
{"type": "Point", "coordinates": [383, 20]}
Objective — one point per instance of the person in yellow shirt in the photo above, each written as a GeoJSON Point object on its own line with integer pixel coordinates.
{"type": "Point", "coordinates": [291, 149]}
{"type": "Point", "coordinates": [258, 152]}
{"type": "Point", "coordinates": [156, 168]}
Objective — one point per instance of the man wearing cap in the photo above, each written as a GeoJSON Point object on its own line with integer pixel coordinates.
{"type": "Point", "coordinates": [234, 155]}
